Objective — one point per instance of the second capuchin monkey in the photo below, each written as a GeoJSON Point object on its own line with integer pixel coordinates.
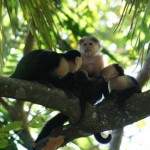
{"type": "Point", "coordinates": [93, 61]}
{"type": "Point", "coordinates": [121, 86]}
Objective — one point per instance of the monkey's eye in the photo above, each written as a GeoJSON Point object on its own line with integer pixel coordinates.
{"type": "Point", "coordinates": [90, 43]}
{"type": "Point", "coordinates": [84, 44]}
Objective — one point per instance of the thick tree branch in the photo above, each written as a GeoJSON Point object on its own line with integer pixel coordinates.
{"type": "Point", "coordinates": [104, 116]}
{"type": "Point", "coordinates": [39, 94]}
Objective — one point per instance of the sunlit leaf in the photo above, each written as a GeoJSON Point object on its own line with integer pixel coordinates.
{"type": "Point", "coordinates": [13, 13]}
{"type": "Point", "coordinates": [16, 125]}
{"type": "Point", "coordinates": [37, 122]}
{"type": "Point", "coordinates": [39, 14]}
{"type": "Point", "coordinates": [139, 8]}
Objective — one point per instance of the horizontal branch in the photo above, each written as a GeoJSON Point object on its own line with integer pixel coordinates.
{"type": "Point", "coordinates": [37, 93]}
{"type": "Point", "coordinates": [102, 117]}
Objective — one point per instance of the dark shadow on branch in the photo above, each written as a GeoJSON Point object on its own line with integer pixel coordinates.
{"type": "Point", "coordinates": [107, 116]}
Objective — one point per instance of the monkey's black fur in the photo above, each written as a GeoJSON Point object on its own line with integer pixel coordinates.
{"type": "Point", "coordinates": [57, 122]}
{"type": "Point", "coordinates": [122, 87]}
{"type": "Point", "coordinates": [52, 124]}
{"type": "Point", "coordinates": [40, 65]}
{"type": "Point", "coordinates": [89, 90]}
{"type": "Point", "coordinates": [121, 95]}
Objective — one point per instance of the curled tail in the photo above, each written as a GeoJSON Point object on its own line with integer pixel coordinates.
{"type": "Point", "coordinates": [102, 140]}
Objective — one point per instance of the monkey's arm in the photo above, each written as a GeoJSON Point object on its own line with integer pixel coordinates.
{"type": "Point", "coordinates": [101, 63]}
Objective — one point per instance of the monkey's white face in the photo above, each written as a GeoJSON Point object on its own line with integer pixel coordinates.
{"type": "Point", "coordinates": [109, 73]}
{"type": "Point", "coordinates": [89, 47]}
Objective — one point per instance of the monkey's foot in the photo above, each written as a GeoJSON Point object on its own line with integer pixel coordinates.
{"type": "Point", "coordinates": [54, 143]}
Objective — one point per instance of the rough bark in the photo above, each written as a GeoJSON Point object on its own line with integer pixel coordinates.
{"type": "Point", "coordinates": [102, 117]}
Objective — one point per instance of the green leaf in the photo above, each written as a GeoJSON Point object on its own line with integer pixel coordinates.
{"type": "Point", "coordinates": [4, 135]}
{"type": "Point", "coordinates": [37, 122]}
{"type": "Point", "coordinates": [16, 125]}
{"type": "Point", "coordinates": [3, 143]}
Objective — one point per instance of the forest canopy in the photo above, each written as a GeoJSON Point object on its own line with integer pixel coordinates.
{"type": "Point", "coordinates": [122, 28]}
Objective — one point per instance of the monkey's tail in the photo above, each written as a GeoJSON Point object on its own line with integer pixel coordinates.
{"type": "Point", "coordinates": [102, 140]}
{"type": "Point", "coordinates": [82, 111]}
{"type": "Point", "coordinates": [52, 124]}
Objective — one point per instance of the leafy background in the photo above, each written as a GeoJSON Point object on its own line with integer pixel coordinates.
{"type": "Point", "coordinates": [122, 28]}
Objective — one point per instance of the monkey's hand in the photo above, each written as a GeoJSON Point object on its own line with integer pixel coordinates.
{"type": "Point", "coordinates": [113, 96]}
{"type": "Point", "coordinates": [81, 76]}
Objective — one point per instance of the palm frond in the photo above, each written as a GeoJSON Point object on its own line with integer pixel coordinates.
{"type": "Point", "coordinates": [140, 13]}
{"type": "Point", "coordinates": [1, 42]}
{"type": "Point", "coordinates": [12, 9]}
{"type": "Point", "coordinates": [39, 15]}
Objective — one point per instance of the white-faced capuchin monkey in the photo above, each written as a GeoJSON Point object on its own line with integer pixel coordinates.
{"type": "Point", "coordinates": [88, 90]}
{"type": "Point", "coordinates": [93, 61]}
{"type": "Point", "coordinates": [121, 86]}
{"type": "Point", "coordinates": [47, 67]}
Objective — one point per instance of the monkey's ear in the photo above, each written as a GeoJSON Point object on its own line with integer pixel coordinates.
{"type": "Point", "coordinates": [81, 41]}
{"type": "Point", "coordinates": [99, 45]}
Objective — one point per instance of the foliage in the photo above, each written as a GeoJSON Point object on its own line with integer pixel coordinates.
{"type": "Point", "coordinates": [139, 24]}
{"type": "Point", "coordinates": [6, 133]}
{"type": "Point", "coordinates": [58, 25]}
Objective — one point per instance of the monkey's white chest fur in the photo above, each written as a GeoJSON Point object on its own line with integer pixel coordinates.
{"type": "Point", "coordinates": [120, 83]}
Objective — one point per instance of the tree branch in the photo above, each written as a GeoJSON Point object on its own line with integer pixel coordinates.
{"type": "Point", "coordinates": [39, 94]}
{"type": "Point", "coordinates": [102, 117]}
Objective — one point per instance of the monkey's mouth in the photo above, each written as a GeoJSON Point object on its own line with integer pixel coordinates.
{"type": "Point", "coordinates": [87, 50]}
